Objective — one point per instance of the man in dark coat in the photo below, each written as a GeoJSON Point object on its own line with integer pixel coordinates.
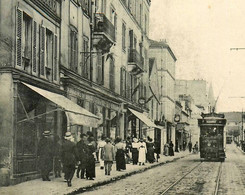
{"type": "Point", "coordinates": [81, 155]}
{"type": "Point", "coordinates": [190, 146]}
{"type": "Point", "coordinates": [68, 157]}
{"type": "Point", "coordinates": [45, 154]}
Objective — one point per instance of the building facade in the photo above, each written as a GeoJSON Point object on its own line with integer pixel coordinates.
{"type": "Point", "coordinates": [76, 66]}
{"type": "Point", "coordinates": [165, 60]}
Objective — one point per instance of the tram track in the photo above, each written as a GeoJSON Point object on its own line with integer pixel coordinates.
{"type": "Point", "coordinates": [218, 180]}
{"type": "Point", "coordinates": [177, 181]}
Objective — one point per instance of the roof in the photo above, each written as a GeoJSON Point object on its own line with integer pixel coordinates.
{"type": "Point", "coordinates": [162, 44]}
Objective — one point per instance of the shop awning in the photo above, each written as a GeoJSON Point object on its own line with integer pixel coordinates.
{"type": "Point", "coordinates": [143, 118]}
{"type": "Point", "coordinates": [75, 113]}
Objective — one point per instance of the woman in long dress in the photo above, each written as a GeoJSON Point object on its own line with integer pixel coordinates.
{"type": "Point", "coordinates": [90, 165]}
{"type": "Point", "coordinates": [142, 152]}
{"type": "Point", "coordinates": [135, 151]}
{"type": "Point", "coordinates": [120, 155]}
{"type": "Point", "coordinates": [171, 149]}
{"type": "Point", "coordinates": [150, 151]}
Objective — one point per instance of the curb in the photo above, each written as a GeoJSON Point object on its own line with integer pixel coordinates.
{"type": "Point", "coordinates": [116, 178]}
{"type": "Point", "coordinates": [240, 150]}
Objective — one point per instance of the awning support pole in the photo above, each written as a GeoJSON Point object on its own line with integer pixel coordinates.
{"type": "Point", "coordinates": [23, 105]}
{"type": "Point", "coordinates": [38, 115]}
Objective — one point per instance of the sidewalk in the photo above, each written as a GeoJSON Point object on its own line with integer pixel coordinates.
{"type": "Point", "coordinates": [58, 186]}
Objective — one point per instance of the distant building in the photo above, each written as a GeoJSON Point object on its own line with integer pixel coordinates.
{"type": "Point", "coordinates": [202, 95]}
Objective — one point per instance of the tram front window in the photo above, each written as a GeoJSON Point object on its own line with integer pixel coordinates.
{"type": "Point", "coordinates": [209, 131]}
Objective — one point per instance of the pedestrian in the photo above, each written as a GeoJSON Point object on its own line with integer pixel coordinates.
{"type": "Point", "coordinates": [100, 149]}
{"type": "Point", "coordinates": [91, 156]}
{"type": "Point", "coordinates": [176, 146]}
{"type": "Point", "coordinates": [68, 157]}
{"type": "Point", "coordinates": [196, 147]}
{"type": "Point", "coordinates": [128, 150]}
{"type": "Point", "coordinates": [57, 156]}
{"type": "Point", "coordinates": [135, 151]}
{"type": "Point", "coordinates": [81, 155]}
{"type": "Point", "coordinates": [184, 145]}
{"type": "Point", "coordinates": [109, 156]}
{"type": "Point", "coordinates": [120, 154]}
{"type": "Point", "coordinates": [157, 149]}
{"type": "Point", "coordinates": [190, 146]}
{"type": "Point", "coordinates": [45, 155]}
{"type": "Point", "coordinates": [142, 152]}
{"type": "Point", "coordinates": [166, 149]}
{"type": "Point", "coordinates": [171, 149]}
{"type": "Point", "coordinates": [150, 150]}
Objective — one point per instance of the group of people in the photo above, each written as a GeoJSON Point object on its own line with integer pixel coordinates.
{"type": "Point", "coordinates": [66, 156]}
{"type": "Point", "coordinates": [57, 156]}
{"type": "Point", "coordinates": [169, 149]}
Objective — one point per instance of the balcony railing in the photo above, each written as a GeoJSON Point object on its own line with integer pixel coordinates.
{"type": "Point", "coordinates": [103, 25]}
{"type": "Point", "coordinates": [135, 58]}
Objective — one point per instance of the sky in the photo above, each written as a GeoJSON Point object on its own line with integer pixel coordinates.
{"type": "Point", "coordinates": [201, 33]}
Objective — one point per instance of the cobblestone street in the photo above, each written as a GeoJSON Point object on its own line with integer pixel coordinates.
{"type": "Point", "coordinates": [202, 180]}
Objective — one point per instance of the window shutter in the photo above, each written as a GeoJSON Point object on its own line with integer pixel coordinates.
{"type": "Point", "coordinates": [55, 61]}
{"type": "Point", "coordinates": [131, 39]}
{"type": "Point", "coordinates": [34, 50]}
{"type": "Point", "coordinates": [121, 81]}
{"type": "Point", "coordinates": [19, 21]}
{"type": "Point", "coordinates": [99, 68]}
{"type": "Point", "coordinates": [75, 52]}
{"type": "Point", "coordinates": [42, 51]}
{"type": "Point", "coordinates": [72, 52]}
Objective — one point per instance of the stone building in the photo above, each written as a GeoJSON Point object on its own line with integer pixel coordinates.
{"type": "Point", "coordinates": [76, 66]}
{"type": "Point", "coordinates": [165, 60]}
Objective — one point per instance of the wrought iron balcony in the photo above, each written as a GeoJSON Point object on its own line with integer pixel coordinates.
{"type": "Point", "coordinates": [136, 61]}
{"type": "Point", "coordinates": [104, 27]}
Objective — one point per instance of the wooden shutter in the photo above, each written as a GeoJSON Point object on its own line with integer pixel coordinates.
{"type": "Point", "coordinates": [55, 61]}
{"type": "Point", "coordinates": [115, 25]}
{"type": "Point", "coordinates": [99, 68]}
{"type": "Point", "coordinates": [42, 33]}
{"type": "Point", "coordinates": [34, 49]}
{"type": "Point", "coordinates": [131, 39]}
{"type": "Point", "coordinates": [121, 81]}
{"type": "Point", "coordinates": [19, 21]}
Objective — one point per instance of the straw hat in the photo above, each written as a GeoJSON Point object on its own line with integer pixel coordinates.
{"type": "Point", "coordinates": [68, 135]}
{"type": "Point", "coordinates": [46, 133]}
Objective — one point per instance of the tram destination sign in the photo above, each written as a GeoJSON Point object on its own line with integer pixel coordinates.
{"type": "Point", "coordinates": [212, 121]}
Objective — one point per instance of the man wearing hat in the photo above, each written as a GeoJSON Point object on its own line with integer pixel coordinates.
{"type": "Point", "coordinates": [45, 153]}
{"type": "Point", "coordinates": [109, 156]}
{"type": "Point", "coordinates": [68, 157]}
{"type": "Point", "coordinates": [81, 155]}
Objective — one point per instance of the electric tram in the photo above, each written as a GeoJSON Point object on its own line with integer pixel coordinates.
{"type": "Point", "coordinates": [212, 136]}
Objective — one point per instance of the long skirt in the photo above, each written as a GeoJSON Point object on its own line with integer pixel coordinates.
{"type": "Point", "coordinates": [150, 155]}
{"type": "Point", "coordinates": [135, 155]}
{"type": "Point", "coordinates": [120, 160]}
{"type": "Point", "coordinates": [171, 151]}
{"type": "Point", "coordinates": [90, 167]}
{"type": "Point", "coordinates": [142, 155]}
